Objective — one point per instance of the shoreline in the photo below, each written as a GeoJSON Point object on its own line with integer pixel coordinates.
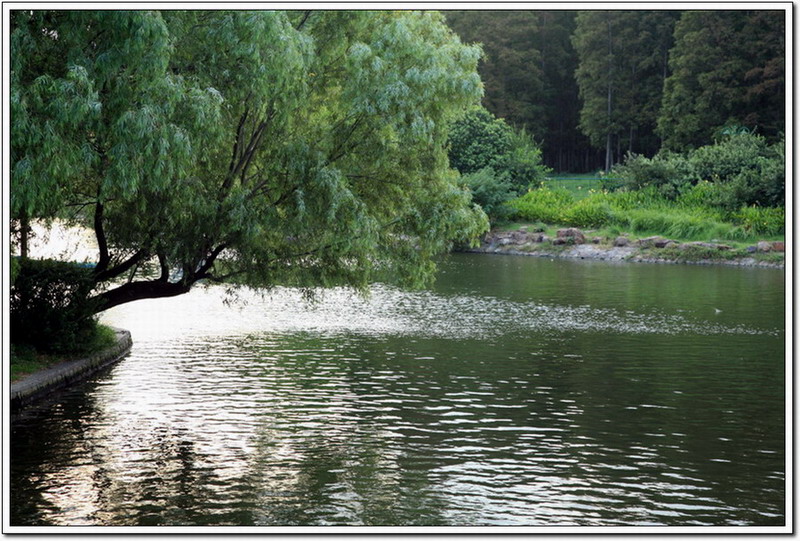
{"type": "Point", "coordinates": [571, 244]}
{"type": "Point", "coordinates": [44, 383]}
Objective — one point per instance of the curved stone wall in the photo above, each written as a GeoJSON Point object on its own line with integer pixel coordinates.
{"type": "Point", "coordinates": [44, 382]}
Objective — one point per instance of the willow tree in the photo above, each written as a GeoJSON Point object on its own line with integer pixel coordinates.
{"type": "Point", "coordinates": [301, 148]}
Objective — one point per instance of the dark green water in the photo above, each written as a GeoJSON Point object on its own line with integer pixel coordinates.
{"type": "Point", "coordinates": [519, 391]}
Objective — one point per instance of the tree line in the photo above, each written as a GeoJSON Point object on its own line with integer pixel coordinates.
{"type": "Point", "coordinates": [593, 86]}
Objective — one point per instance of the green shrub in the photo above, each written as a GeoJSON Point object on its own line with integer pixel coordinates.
{"type": "Point", "coordinates": [592, 211]}
{"type": "Point", "coordinates": [491, 191]}
{"type": "Point", "coordinates": [522, 163]}
{"type": "Point", "coordinates": [763, 184]}
{"type": "Point", "coordinates": [50, 306]}
{"type": "Point", "coordinates": [542, 205]}
{"type": "Point", "coordinates": [666, 172]}
{"type": "Point", "coordinates": [762, 220]}
{"type": "Point", "coordinates": [477, 139]}
{"type": "Point", "coordinates": [748, 170]}
{"type": "Point", "coordinates": [727, 157]}
{"type": "Point", "coordinates": [496, 161]}
{"type": "Point", "coordinates": [743, 167]}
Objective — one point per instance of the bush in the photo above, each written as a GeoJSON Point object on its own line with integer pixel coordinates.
{"type": "Point", "coordinates": [666, 172]}
{"type": "Point", "coordinates": [744, 169]}
{"type": "Point", "coordinates": [50, 306]}
{"type": "Point", "coordinates": [476, 140]}
{"type": "Point", "coordinates": [748, 170]}
{"type": "Point", "coordinates": [729, 156]}
{"type": "Point", "coordinates": [486, 150]}
{"type": "Point", "coordinates": [542, 205]}
{"type": "Point", "coordinates": [522, 163]}
{"type": "Point", "coordinates": [491, 191]}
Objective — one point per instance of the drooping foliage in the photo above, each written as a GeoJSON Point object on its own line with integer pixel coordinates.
{"type": "Point", "coordinates": [267, 147]}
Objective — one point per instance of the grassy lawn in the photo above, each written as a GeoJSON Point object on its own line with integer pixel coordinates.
{"type": "Point", "coordinates": [26, 359]}
{"type": "Point", "coordinates": [579, 185]}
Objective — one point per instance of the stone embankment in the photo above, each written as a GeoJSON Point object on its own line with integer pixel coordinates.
{"type": "Point", "coordinates": [43, 383]}
{"type": "Point", "coordinates": [577, 244]}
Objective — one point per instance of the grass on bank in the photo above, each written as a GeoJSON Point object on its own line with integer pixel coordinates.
{"type": "Point", "coordinates": [645, 212]}
{"type": "Point", "coordinates": [26, 359]}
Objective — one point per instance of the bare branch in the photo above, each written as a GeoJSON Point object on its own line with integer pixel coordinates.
{"type": "Point", "coordinates": [102, 275]}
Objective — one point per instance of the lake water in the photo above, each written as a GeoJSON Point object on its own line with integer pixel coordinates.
{"type": "Point", "coordinates": [517, 391]}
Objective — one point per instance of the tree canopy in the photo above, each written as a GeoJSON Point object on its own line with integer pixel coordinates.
{"type": "Point", "coordinates": [267, 147]}
{"type": "Point", "coordinates": [671, 78]}
{"type": "Point", "coordinates": [727, 70]}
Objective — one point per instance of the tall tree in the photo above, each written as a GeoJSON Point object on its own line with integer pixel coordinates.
{"type": "Point", "coordinates": [511, 67]}
{"type": "Point", "coordinates": [620, 76]}
{"type": "Point", "coordinates": [305, 148]}
{"type": "Point", "coordinates": [727, 69]}
{"type": "Point", "coordinates": [528, 71]}
{"type": "Point", "coordinates": [564, 147]}
{"type": "Point", "coordinates": [598, 76]}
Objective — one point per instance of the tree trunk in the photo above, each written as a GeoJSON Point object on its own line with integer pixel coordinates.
{"type": "Point", "coordinates": [609, 95]}
{"type": "Point", "coordinates": [24, 234]}
{"type": "Point", "coordinates": [135, 291]}
{"type": "Point", "coordinates": [630, 140]}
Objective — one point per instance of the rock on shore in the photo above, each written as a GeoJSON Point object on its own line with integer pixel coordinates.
{"type": "Point", "coordinates": [572, 243]}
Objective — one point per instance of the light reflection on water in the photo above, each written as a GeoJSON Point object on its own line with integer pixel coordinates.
{"type": "Point", "coordinates": [415, 409]}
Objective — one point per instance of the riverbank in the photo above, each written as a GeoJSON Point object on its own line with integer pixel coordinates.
{"type": "Point", "coordinates": [44, 382]}
{"type": "Point", "coordinates": [573, 243]}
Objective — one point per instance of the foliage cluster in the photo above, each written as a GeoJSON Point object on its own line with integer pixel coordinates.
{"type": "Point", "coordinates": [50, 306]}
{"type": "Point", "coordinates": [497, 162]}
{"type": "Point", "coordinates": [741, 169]}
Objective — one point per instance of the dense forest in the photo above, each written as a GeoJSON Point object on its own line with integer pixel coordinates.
{"type": "Point", "coordinates": [592, 86]}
